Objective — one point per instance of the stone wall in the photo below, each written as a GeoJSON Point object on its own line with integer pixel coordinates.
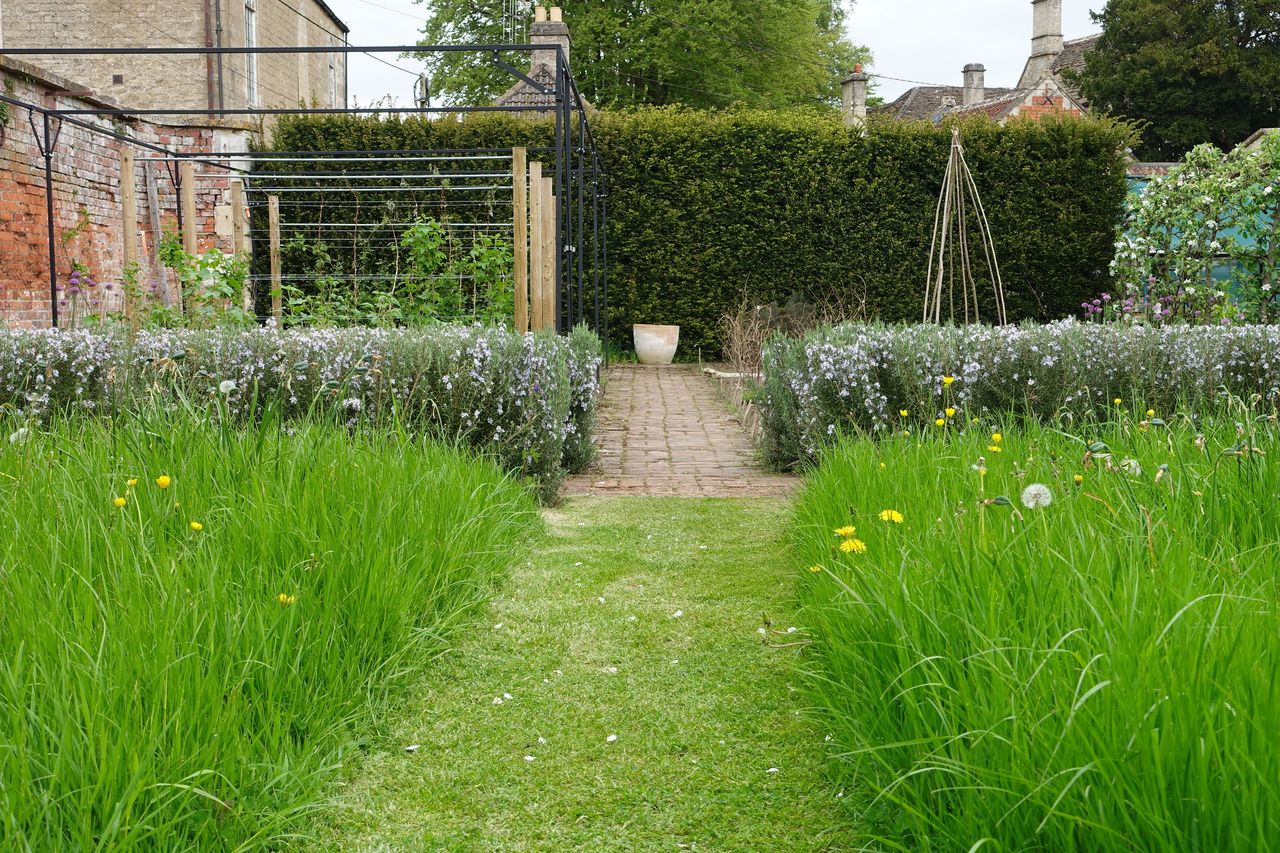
{"type": "Point", "coordinates": [187, 81]}
{"type": "Point", "coordinates": [87, 227]}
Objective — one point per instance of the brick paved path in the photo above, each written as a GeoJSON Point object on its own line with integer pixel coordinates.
{"type": "Point", "coordinates": [667, 431]}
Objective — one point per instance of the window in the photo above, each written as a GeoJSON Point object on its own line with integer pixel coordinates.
{"type": "Point", "coordinates": [251, 59]}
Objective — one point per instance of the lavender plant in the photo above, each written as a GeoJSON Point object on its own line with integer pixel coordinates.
{"type": "Point", "coordinates": [527, 400]}
{"type": "Point", "coordinates": [882, 379]}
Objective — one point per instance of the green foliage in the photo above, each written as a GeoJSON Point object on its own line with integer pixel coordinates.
{"type": "Point", "coordinates": [1209, 211]}
{"type": "Point", "coordinates": [1194, 70]}
{"type": "Point", "coordinates": [711, 210]}
{"type": "Point", "coordinates": [212, 286]}
{"type": "Point", "coordinates": [701, 53]}
{"type": "Point", "coordinates": [156, 692]}
{"type": "Point", "coordinates": [1093, 674]}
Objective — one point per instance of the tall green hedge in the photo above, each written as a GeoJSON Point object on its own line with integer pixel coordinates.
{"type": "Point", "coordinates": [710, 210]}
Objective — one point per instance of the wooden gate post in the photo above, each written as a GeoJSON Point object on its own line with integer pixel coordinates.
{"type": "Point", "coordinates": [520, 239]}
{"type": "Point", "coordinates": [239, 238]}
{"type": "Point", "coordinates": [536, 246]}
{"type": "Point", "coordinates": [273, 227]}
{"type": "Point", "coordinates": [129, 215]}
{"type": "Point", "coordinates": [550, 255]}
{"type": "Point", "coordinates": [187, 175]}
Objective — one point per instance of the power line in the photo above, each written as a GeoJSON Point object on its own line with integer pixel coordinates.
{"type": "Point", "coordinates": [389, 9]}
{"type": "Point", "coordinates": [343, 38]}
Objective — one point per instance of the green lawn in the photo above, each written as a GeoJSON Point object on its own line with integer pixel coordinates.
{"type": "Point", "coordinates": [636, 618]}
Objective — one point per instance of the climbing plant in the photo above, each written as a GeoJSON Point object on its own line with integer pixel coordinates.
{"type": "Point", "coordinates": [1203, 241]}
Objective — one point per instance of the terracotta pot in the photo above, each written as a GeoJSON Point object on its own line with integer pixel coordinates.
{"type": "Point", "coordinates": [655, 344]}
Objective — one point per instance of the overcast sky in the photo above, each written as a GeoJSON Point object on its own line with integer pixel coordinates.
{"type": "Point", "coordinates": [925, 40]}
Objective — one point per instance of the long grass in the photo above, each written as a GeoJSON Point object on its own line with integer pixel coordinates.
{"type": "Point", "coordinates": [164, 687]}
{"type": "Point", "coordinates": [1095, 674]}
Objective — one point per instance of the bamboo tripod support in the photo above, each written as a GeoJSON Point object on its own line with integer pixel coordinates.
{"type": "Point", "coordinates": [951, 218]}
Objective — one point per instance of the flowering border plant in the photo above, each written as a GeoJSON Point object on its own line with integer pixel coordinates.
{"type": "Point", "coordinates": [877, 378]}
{"type": "Point", "coordinates": [529, 400]}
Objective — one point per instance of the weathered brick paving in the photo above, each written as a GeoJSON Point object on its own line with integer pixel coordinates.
{"type": "Point", "coordinates": [667, 431]}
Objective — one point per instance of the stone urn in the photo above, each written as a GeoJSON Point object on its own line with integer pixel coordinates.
{"type": "Point", "coordinates": [655, 344]}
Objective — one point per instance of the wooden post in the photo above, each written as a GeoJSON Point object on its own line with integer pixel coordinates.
{"type": "Point", "coordinates": [550, 255]}
{"type": "Point", "coordinates": [161, 277]}
{"type": "Point", "coordinates": [520, 239]}
{"type": "Point", "coordinates": [129, 214]}
{"type": "Point", "coordinates": [536, 246]}
{"type": "Point", "coordinates": [273, 227]}
{"type": "Point", "coordinates": [239, 239]}
{"type": "Point", "coordinates": [187, 175]}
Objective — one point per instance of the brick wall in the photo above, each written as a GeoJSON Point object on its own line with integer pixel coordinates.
{"type": "Point", "coordinates": [88, 231]}
{"type": "Point", "coordinates": [189, 81]}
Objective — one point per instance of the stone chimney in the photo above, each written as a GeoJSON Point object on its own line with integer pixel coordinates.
{"type": "Point", "coordinates": [975, 85]}
{"type": "Point", "coordinates": [854, 97]}
{"type": "Point", "coordinates": [1046, 41]}
{"type": "Point", "coordinates": [548, 27]}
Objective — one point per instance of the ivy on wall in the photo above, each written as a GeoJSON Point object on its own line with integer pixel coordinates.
{"type": "Point", "coordinates": [710, 210]}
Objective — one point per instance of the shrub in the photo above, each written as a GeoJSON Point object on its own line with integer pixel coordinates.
{"type": "Point", "coordinates": [1094, 674]}
{"type": "Point", "coordinates": [170, 688]}
{"type": "Point", "coordinates": [861, 377]}
{"type": "Point", "coordinates": [517, 397]}
{"type": "Point", "coordinates": [708, 210]}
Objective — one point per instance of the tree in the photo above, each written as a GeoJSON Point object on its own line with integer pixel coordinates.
{"type": "Point", "coordinates": [1195, 70]}
{"type": "Point", "coordinates": [700, 53]}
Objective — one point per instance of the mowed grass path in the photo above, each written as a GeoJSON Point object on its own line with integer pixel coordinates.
{"type": "Point", "coordinates": [635, 617]}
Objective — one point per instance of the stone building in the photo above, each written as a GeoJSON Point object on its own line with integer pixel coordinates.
{"type": "Point", "coordinates": [1043, 87]}
{"type": "Point", "coordinates": [187, 81]}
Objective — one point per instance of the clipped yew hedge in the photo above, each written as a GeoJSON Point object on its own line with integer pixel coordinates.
{"type": "Point", "coordinates": [708, 210]}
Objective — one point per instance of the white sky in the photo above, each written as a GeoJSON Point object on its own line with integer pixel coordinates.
{"type": "Point", "coordinates": [926, 40]}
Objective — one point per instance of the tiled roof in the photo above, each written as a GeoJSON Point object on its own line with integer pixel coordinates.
{"type": "Point", "coordinates": [997, 107]}
{"type": "Point", "coordinates": [1073, 53]}
{"type": "Point", "coordinates": [926, 102]}
{"type": "Point", "coordinates": [524, 95]}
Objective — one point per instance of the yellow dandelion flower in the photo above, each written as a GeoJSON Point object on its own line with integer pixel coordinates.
{"type": "Point", "coordinates": [163, 481]}
{"type": "Point", "coordinates": [939, 422]}
{"type": "Point", "coordinates": [853, 546]}
{"type": "Point", "coordinates": [1151, 413]}
{"type": "Point", "coordinates": [992, 448]}
{"type": "Point", "coordinates": [197, 526]}
{"type": "Point", "coordinates": [891, 515]}
{"type": "Point", "coordinates": [1117, 401]}
{"type": "Point", "coordinates": [902, 413]}
{"type": "Point", "coordinates": [947, 380]}
{"type": "Point", "coordinates": [815, 569]}
{"type": "Point", "coordinates": [951, 413]}
{"type": "Point", "coordinates": [1079, 478]}
{"type": "Point", "coordinates": [285, 599]}
{"type": "Point", "coordinates": [131, 482]}
{"type": "Point", "coordinates": [996, 438]}
{"type": "Point", "coordinates": [846, 531]}
{"type": "Point", "coordinates": [119, 502]}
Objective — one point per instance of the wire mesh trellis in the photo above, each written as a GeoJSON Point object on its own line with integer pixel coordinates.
{"type": "Point", "coordinates": [359, 205]}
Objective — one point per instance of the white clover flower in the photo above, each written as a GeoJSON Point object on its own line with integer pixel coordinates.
{"type": "Point", "coordinates": [226, 386]}
{"type": "Point", "coordinates": [1036, 496]}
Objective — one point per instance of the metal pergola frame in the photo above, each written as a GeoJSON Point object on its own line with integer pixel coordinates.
{"type": "Point", "coordinates": [578, 174]}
